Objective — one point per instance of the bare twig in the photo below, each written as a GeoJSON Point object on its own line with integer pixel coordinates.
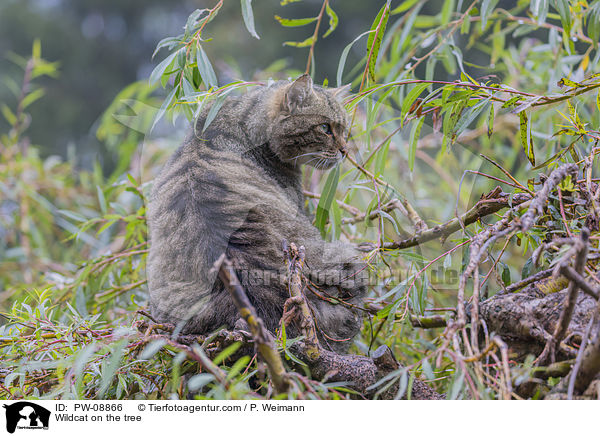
{"type": "Point", "coordinates": [264, 341]}
{"type": "Point", "coordinates": [565, 316]}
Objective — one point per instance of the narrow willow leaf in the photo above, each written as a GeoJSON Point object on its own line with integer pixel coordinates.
{"type": "Point", "coordinates": [405, 6]}
{"type": "Point", "coordinates": [457, 386]}
{"type": "Point", "coordinates": [164, 107]}
{"type": "Point", "coordinates": [295, 22]}
{"type": "Point", "coordinates": [213, 111]}
{"type": "Point", "coordinates": [539, 9]}
{"type": "Point", "coordinates": [403, 385]}
{"type": "Point", "coordinates": [168, 41]}
{"type": "Point", "coordinates": [306, 43]}
{"type": "Point", "coordinates": [73, 215]}
{"type": "Point", "coordinates": [452, 120]}
{"type": "Point", "coordinates": [447, 9]}
{"type": "Point", "coordinates": [374, 41]}
{"type": "Point", "coordinates": [152, 348]}
{"type": "Point", "coordinates": [486, 7]}
{"type": "Point", "coordinates": [333, 20]}
{"type": "Point", "coordinates": [344, 56]}
{"type": "Point", "coordinates": [410, 99]}
{"type": "Point", "coordinates": [198, 381]}
{"type": "Point", "coordinates": [110, 368]}
{"type": "Point", "coordinates": [36, 51]}
{"type": "Point", "coordinates": [32, 97]}
{"type": "Point", "coordinates": [598, 100]}
{"type": "Point", "coordinates": [8, 114]}
{"type": "Point", "coordinates": [562, 6]}
{"type": "Point", "coordinates": [414, 137]}
{"type": "Point", "coordinates": [327, 197]}
{"type": "Point", "coordinates": [248, 16]}
{"type": "Point", "coordinates": [157, 72]}
{"type": "Point", "coordinates": [526, 140]}
{"type": "Point", "coordinates": [506, 275]}
{"type": "Point", "coordinates": [467, 119]}
{"type": "Point", "coordinates": [566, 82]}
{"type": "Point", "coordinates": [490, 122]}
{"type": "Point", "coordinates": [336, 222]}
{"type": "Point", "coordinates": [512, 102]}
{"type": "Point", "coordinates": [101, 199]}
{"type": "Point", "coordinates": [426, 366]}
{"type": "Point", "coordinates": [205, 68]}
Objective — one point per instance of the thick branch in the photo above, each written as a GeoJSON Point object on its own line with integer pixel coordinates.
{"type": "Point", "coordinates": [484, 207]}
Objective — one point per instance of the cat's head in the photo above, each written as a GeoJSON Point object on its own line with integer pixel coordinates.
{"type": "Point", "coordinates": [310, 124]}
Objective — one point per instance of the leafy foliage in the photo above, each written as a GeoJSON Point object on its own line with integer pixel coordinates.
{"type": "Point", "coordinates": [473, 90]}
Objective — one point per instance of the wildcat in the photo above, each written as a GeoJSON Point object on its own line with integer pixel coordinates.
{"type": "Point", "coordinates": [236, 189]}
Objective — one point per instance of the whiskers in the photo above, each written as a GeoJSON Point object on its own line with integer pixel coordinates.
{"type": "Point", "coordinates": [312, 153]}
{"type": "Point", "coordinates": [319, 159]}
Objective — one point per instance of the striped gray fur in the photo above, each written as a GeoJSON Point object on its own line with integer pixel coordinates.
{"type": "Point", "coordinates": [236, 189]}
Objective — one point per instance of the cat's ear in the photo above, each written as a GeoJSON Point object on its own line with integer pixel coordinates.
{"type": "Point", "coordinates": [341, 92]}
{"type": "Point", "coordinates": [298, 94]}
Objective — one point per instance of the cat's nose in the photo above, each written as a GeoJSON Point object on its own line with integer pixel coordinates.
{"type": "Point", "coordinates": [343, 149]}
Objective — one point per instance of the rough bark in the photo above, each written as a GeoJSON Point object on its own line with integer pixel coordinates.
{"type": "Point", "coordinates": [527, 319]}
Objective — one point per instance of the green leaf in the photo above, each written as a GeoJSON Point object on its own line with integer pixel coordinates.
{"type": "Point", "coordinates": [32, 97]}
{"type": "Point", "coordinates": [157, 72]}
{"type": "Point", "coordinates": [405, 6]}
{"type": "Point", "coordinates": [468, 118]}
{"type": "Point", "coordinates": [168, 41]}
{"type": "Point", "coordinates": [151, 349]}
{"type": "Point", "coordinates": [598, 100]}
{"type": "Point", "coordinates": [205, 68]}
{"type": "Point", "coordinates": [248, 16]}
{"type": "Point", "coordinates": [427, 369]}
{"type": "Point", "coordinates": [109, 369]}
{"type": "Point", "coordinates": [562, 6]}
{"type": "Point", "coordinates": [306, 43]}
{"type": "Point", "coordinates": [73, 215]}
{"type": "Point", "coordinates": [295, 22]}
{"type": "Point", "coordinates": [539, 9]}
{"type": "Point", "coordinates": [403, 385]}
{"type": "Point", "coordinates": [457, 386]}
{"type": "Point", "coordinates": [327, 197]}
{"type": "Point", "coordinates": [414, 137]}
{"type": "Point", "coordinates": [567, 82]}
{"type": "Point", "coordinates": [344, 56]}
{"type": "Point", "coordinates": [8, 114]}
{"type": "Point", "coordinates": [506, 275]}
{"type": "Point", "coordinates": [333, 20]}
{"type": "Point", "coordinates": [526, 140]}
{"type": "Point", "coordinates": [512, 102]}
{"type": "Point", "coordinates": [490, 122]}
{"type": "Point", "coordinates": [410, 99]}
{"type": "Point", "coordinates": [164, 107]}
{"type": "Point", "coordinates": [447, 9]}
{"type": "Point", "coordinates": [198, 381]}
{"type": "Point", "coordinates": [486, 7]}
{"type": "Point", "coordinates": [101, 199]}
{"type": "Point", "coordinates": [36, 51]}
{"type": "Point", "coordinates": [336, 221]}
{"type": "Point", "coordinates": [374, 41]}
{"type": "Point", "coordinates": [214, 110]}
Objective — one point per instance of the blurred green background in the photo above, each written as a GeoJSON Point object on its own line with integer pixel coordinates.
{"type": "Point", "coordinates": [104, 45]}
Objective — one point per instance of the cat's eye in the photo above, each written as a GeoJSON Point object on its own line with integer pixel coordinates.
{"type": "Point", "coordinates": [326, 128]}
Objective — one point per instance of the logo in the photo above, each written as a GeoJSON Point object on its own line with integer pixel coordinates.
{"type": "Point", "coordinates": [26, 415]}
